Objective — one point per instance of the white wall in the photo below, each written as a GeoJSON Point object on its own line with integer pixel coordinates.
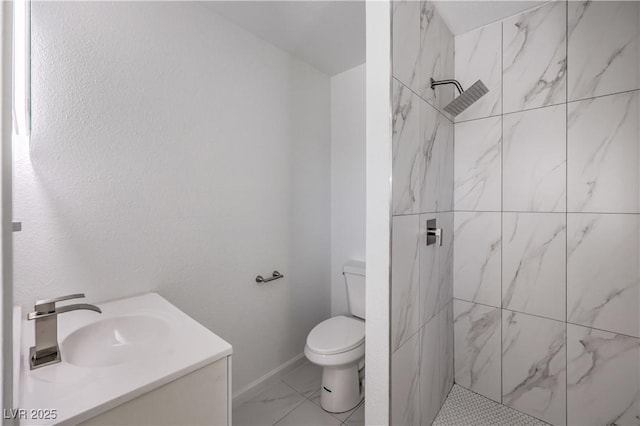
{"type": "Point", "coordinates": [347, 178]}
{"type": "Point", "coordinates": [378, 218]}
{"type": "Point", "coordinates": [6, 293]}
{"type": "Point", "coordinates": [174, 152]}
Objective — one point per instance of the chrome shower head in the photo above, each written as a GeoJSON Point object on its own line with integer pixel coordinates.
{"type": "Point", "coordinates": [466, 98]}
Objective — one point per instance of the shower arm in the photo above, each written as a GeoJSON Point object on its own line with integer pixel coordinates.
{"type": "Point", "coordinates": [435, 83]}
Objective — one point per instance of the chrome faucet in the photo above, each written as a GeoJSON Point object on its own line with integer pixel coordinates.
{"type": "Point", "coordinates": [46, 350]}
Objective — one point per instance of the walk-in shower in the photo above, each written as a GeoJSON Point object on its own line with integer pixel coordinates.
{"type": "Point", "coordinates": [467, 97]}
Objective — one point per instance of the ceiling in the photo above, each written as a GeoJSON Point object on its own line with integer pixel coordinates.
{"type": "Point", "coordinates": [463, 16]}
{"type": "Point", "coordinates": [330, 35]}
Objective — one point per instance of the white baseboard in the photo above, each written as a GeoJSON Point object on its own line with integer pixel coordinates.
{"type": "Point", "coordinates": [280, 371]}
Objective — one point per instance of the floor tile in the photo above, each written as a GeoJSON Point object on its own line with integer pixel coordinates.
{"type": "Point", "coordinates": [308, 414]}
{"type": "Point", "coordinates": [340, 416]}
{"type": "Point", "coordinates": [357, 418]}
{"type": "Point", "coordinates": [464, 407]}
{"type": "Point", "coordinates": [268, 406]}
{"type": "Point", "coordinates": [306, 379]}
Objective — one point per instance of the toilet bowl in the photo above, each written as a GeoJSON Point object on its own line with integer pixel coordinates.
{"type": "Point", "coordinates": [337, 345]}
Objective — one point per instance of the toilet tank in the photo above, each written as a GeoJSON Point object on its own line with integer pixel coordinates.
{"type": "Point", "coordinates": [354, 279]}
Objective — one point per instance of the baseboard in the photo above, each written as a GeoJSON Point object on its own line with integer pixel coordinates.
{"type": "Point", "coordinates": [282, 370]}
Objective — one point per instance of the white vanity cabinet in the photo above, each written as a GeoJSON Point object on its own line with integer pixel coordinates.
{"type": "Point", "coordinates": [199, 398]}
{"type": "Point", "coordinates": [141, 362]}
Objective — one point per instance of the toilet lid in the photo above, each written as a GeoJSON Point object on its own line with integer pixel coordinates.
{"type": "Point", "coordinates": [336, 335]}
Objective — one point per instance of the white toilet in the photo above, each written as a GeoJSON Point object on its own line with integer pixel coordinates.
{"type": "Point", "coordinates": [337, 345]}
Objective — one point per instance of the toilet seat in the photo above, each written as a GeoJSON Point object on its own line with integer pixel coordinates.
{"type": "Point", "coordinates": [336, 335]}
{"type": "Point", "coordinates": [352, 356]}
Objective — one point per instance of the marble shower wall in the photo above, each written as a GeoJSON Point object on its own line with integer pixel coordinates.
{"type": "Point", "coordinates": [547, 213]}
{"type": "Point", "coordinates": [422, 338]}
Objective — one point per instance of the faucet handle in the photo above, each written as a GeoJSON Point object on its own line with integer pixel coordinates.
{"type": "Point", "coordinates": [49, 305]}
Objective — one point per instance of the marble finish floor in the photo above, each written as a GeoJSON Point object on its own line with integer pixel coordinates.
{"type": "Point", "coordinates": [464, 407]}
{"type": "Point", "coordinates": [292, 400]}
{"type": "Point", "coordinates": [295, 400]}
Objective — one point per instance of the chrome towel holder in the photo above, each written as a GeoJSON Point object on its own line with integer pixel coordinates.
{"type": "Point", "coordinates": [275, 276]}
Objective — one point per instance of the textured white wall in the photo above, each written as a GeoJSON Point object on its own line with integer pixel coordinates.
{"type": "Point", "coordinates": [378, 166]}
{"type": "Point", "coordinates": [174, 152]}
{"type": "Point", "coordinates": [6, 66]}
{"type": "Point", "coordinates": [347, 178]}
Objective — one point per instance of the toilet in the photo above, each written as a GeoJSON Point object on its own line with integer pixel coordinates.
{"type": "Point", "coordinates": [337, 345]}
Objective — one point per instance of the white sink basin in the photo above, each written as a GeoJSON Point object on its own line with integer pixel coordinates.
{"type": "Point", "coordinates": [135, 346]}
{"type": "Point", "coordinates": [115, 340]}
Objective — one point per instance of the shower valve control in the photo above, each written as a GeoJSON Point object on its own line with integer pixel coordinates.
{"type": "Point", "coordinates": [434, 235]}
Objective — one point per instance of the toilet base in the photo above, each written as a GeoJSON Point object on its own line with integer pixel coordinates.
{"type": "Point", "coordinates": [342, 388]}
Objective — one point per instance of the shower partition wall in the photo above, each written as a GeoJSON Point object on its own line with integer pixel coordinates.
{"type": "Point", "coordinates": [547, 213]}
{"type": "Point", "coordinates": [422, 186]}
{"type": "Point", "coordinates": [546, 194]}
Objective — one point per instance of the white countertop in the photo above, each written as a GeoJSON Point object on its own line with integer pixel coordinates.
{"type": "Point", "coordinates": [80, 393]}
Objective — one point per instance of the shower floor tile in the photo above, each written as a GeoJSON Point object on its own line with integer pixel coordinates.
{"type": "Point", "coordinates": [463, 407]}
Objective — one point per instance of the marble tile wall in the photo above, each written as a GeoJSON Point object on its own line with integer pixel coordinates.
{"type": "Point", "coordinates": [547, 213]}
{"type": "Point", "coordinates": [422, 340]}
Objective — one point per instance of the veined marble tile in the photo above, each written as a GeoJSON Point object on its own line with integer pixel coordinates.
{"type": "Point", "coordinates": [407, 151]}
{"type": "Point", "coordinates": [430, 285]}
{"type": "Point", "coordinates": [533, 263]}
{"type": "Point", "coordinates": [603, 48]}
{"type": "Point", "coordinates": [535, 58]}
{"type": "Point", "coordinates": [405, 383]}
{"type": "Point", "coordinates": [603, 378]}
{"type": "Point", "coordinates": [477, 246]}
{"type": "Point", "coordinates": [357, 418]}
{"type": "Point", "coordinates": [534, 366]}
{"type": "Point", "coordinates": [602, 271]}
{"type": "Point", "coordinates": [445, 342]}
{"type": "Point", "coordinates": [478, 56]}
{"type": "Point", "coordinates": [308, 414]}
{"type": "Point", "coordinates": [430, 50]}
{"type": "Point", "coordinates": [404, 279]}
{"type": "Point", "coordinates": [446, 166]}
{"type": "Point", "coordinates": [436, 58]}
{"type": "Point", "coordinates": [478, 171]}
{"type": "Point", "coordinates": [534, 160]}
{"type": "Point", "coordinates": [429, 372]}
{"type": "Point", "coordinates": [431, 131]}
{"type": "Point", "coordinates": [477, 348]}
{"type": "Point", "coordinates": [341, 417]}
{"type": "Point", "coordinates": [437, 161]}
{"type": "Point", "coordinates": [445, 221]}
{"type": "Point", "coordinates": [447, 42]}
{"type": "Point", "coordinates": [306, 379]}
{"type": "Point", "coordinates": [604, 154]}
{"type": "Point", "coordinates": [436, 266]}
{"type": "Point", "coordinates": [406, 43]}
{"type": "Point", "coordinates": [268, 406]}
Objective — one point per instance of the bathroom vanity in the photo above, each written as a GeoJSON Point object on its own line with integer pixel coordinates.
{"type": "Point", "coordinates": [142, 361]}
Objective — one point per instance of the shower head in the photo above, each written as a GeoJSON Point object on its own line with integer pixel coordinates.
{"type": "Point", "coordinates": [466, 98]}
